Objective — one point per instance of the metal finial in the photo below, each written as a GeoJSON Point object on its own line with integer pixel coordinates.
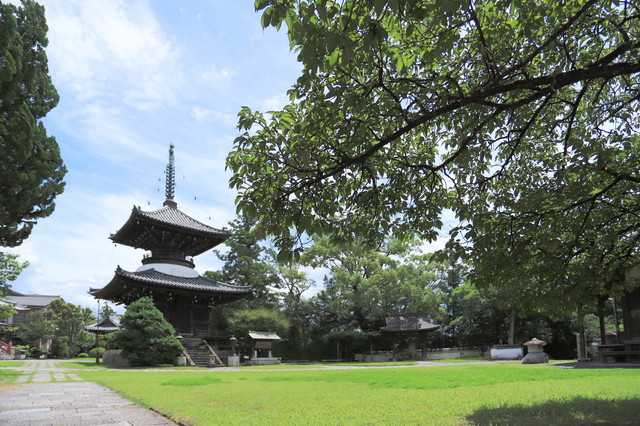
{"type": "Point", "coordinates": [171, 181]}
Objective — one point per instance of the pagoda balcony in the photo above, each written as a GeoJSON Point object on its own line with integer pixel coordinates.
{"type": "Point", "coordinates": [168, 256]}
{"type": "Point", "coordinates": [200, 329]}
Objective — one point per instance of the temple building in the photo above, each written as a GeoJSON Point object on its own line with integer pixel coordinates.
{"type": "Point", "coordinates": [167, 273]}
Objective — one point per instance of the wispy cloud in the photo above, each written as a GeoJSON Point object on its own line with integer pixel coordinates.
{"type": "Point", "coordinates": [206, 114]}
{"type": "Point", "coordinates": [112, 48]}
{"type": "Point", "coordinates": [275, 103]}
{"type": "Point", "coordinates": [217, 78]}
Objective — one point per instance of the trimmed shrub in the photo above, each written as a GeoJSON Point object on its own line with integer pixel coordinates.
{"type": "Point", "coordinates": [83, 355]}
{"type": "Point", "coordinates": [59, 349]}
{"type": "Point", "coordinates": [92, 352]}
{"type": "Point", "coordinates": [147, 338]}
{"type": "Point", "coordinates": [35, 352]}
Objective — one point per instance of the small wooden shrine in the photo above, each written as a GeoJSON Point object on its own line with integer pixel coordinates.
{"type": "Point", "coordinates": [106, 325]}
{"type": "Point", "coordinates": [261, 347]}
{"type": "Point", "coordinates": [625, 347]}
{"type": "Point", "coordinates": [411, 326]}
{"type": "Point", "coordinates": [167, 273]}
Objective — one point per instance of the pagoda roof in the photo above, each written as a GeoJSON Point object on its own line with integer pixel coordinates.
{"type": "Point", "coordinates": [108, 324]}
{"type": "Point", "coordinates": [126, 287]}
{"type": "Point", "coordinates": [168, 228]}
{"type": "Point", "coordinates": [409, 324]}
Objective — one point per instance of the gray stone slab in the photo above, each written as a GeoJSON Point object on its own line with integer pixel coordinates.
{"type": "Point", "coordinates": [71, 403]}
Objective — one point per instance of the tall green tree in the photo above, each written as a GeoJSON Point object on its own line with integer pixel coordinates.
{"type": "Point", "coordinates": [297, 309]}
{"type": "Point", "coordinates": [10, 268]}
{"type": "Point", "coordinates": [31, 170]}
{"type": "Point", "coordinates": [68, 322]}
{"type": "Point", "coordinates": [247, 263]}
{"type": "Point", "coordinates": [364, 286]}
{"type": "Point", "coordinates": [105, 311]}
{"type": "Point", "coordinates": [35, 328]}
{"type": "Point", "coordinates": [520, 117]}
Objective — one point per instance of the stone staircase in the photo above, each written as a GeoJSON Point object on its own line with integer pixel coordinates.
{"type": "Point", "coordinates": [200, 354]}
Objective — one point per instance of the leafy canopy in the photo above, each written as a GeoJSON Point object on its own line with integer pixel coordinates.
{"type": "Point", "coordinates": [68, 321]}
{"type": "Point", "coordinates": [518, 116]}
{"type": "Point", "coordinates": [31, 170]}
{"type": "Point", "coordinates": [364, 286]}
{"type": "Point", "coordinates": [10, 268]}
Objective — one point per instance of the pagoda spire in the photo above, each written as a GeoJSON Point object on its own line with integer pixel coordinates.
{"type": "Point", "coordinates": [170, 187]}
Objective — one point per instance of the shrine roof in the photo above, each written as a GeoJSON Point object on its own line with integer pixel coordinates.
{"type": "Point", "coordinates": [408, 323]}
{"type": "Point", "coordinates": [141, 229]}
{"type": "Point", "coordinates": [108, 324]}
{"type": "Point", "coordinates": [264, 335]}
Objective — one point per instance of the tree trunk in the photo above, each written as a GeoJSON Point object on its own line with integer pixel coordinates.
{"type": "Point", "coordinates": [512, 326]}
{"type": "Point", "coordinates": [601, 318]}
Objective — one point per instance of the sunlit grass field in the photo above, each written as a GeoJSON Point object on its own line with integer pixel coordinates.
{"type": "Point", "coordinates": [91, 364]}
{"type": "Point", "coordinates": [11, 363]}
{"type": "Point", "coordinates": [443, 395]}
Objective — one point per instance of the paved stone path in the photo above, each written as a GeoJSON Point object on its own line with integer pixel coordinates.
{"type": "Point", "coordinates": [47, 394]}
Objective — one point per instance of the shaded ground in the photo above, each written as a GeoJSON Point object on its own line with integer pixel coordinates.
{"type": "Point", "coordinates": [582, 411]}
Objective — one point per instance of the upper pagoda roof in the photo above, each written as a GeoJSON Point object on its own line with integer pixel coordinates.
{"type": "Point", "coordinates": [168, 228]}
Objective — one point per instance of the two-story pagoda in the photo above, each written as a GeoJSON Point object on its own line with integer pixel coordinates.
{"type": "Point", "coordinates": [167, 273]}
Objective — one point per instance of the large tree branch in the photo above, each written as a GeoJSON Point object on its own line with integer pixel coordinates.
{"type": "Point", "coordinates": [539, 85]}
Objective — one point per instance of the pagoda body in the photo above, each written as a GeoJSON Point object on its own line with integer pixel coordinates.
{"type": "Point", "coordinates": [167, 273]}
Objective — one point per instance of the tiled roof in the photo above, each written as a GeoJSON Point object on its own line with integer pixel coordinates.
{"type": "Point", "coordinates": [408, 323]}
{"type": "Point", "coordinates": [168, 228]}
{"type": "Point", "coordinates": [33, 300]}
{"type": "Point", "coordinates": [199, 283]}
{"type": "Point", "coordinates": [173, 216]}
{"type": "Point", "coordinates": [107, 325]}
{"type": "Point", "coordinates": [264, 335]}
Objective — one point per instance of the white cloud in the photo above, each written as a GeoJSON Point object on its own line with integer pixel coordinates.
{"type": "Point", "coordinates": [217, 78]}
{"type": "Point", "coordinates": [275, 103]}
{"type": "Point", "coordinates": [111, 48]}
{"type": "Point", "coordinates": [205, 114]}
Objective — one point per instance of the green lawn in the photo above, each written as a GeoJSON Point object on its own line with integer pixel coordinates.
{"type": "Point", "coordinates": [91, 364]}
{"type": "Point", "coordinates": [443, 395]}
{"type": "Point", "coordinates": [11, 363]}
{"type": "Point", "coordinates": [8, 376]}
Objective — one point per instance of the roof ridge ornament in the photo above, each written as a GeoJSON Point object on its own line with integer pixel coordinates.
{"type": "Point", "coordinates": [170, 187]}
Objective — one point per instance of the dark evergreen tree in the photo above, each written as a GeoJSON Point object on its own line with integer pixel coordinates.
{"type": "Point", "coordinates": [36, 327]}
{"type": "Point", "coordinates": [246, 263]}
{"type": "Point", "coordinates": [31, 170]}
{"type": "Point", "coordinates": [146, 337]}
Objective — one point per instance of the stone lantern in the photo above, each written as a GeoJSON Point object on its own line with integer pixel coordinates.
{"type": "Point", "coordinates": [535, 353]}
{"type": "Point", "coordinates": [233, 360]}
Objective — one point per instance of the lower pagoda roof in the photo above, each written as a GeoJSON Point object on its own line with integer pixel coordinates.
{"type": "Point", "coordinates": [127, 287]}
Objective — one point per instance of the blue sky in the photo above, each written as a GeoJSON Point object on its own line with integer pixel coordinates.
{"type": "Point", "coordinates": [133, 77]}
